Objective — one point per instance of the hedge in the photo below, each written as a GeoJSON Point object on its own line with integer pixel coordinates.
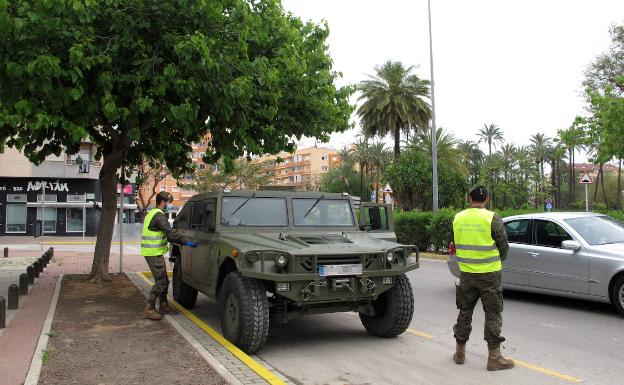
{"type": "Point", "coordinates": [433, 232]}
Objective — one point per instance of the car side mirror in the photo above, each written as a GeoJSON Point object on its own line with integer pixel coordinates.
{"type": "Point", "coordinates": [375, 217]}
{"type": "Point", "coordinates": [571, 245]}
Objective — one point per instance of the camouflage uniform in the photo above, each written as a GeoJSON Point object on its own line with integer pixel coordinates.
{"type": "Point", "coordinates": [157, 264]}
{"type": "Point", "coordinates": [487, 287]}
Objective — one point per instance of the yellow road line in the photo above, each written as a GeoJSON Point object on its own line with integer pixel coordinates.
{"type": "Point", "coordinates": [548, 372]}
{"type": "Point", "coordinates": [420, 334]}
{"type": "Point", "coordinates": [245, 359]}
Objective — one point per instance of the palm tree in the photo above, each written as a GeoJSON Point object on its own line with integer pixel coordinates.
{"type": "Point", "coordinates": [556, 155]}
{"type": "Point", "coordinates": [446, 144]}
{"type": "Point", "coordinates": [572, 139]}
{"type": "Point", "coordinates": [539, 148]}
{"type": "Point", "coordinates": [394, 101]}
{"type": "Point", "coordinates": [507, 154]}
{"type": "Point", "coordinates": [472, 158]}
{"type": "Point", "coordinates": [361, 155]}
{"type": "Point", "coordinates": [490, 134]}
{"type": "Point", "coordinates": [379, 159]}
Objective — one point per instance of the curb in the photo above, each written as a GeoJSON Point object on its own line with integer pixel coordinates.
{"type": "Point", "coordinates": [32, 378]}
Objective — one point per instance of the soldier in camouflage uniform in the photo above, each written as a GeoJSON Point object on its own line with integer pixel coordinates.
{"type": "Point", "coordinates": [481, 246]}
{"type": "Point", "coordinates": [156, 233]}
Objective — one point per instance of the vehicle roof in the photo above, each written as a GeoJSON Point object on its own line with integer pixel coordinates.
{"type": "Point", "coordinates": [554, 215]}
{"type": "Point", "coordinates": [265, 193]}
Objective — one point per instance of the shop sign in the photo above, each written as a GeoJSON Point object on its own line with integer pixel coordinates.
{"type": "Point", "coordinates": [52, 186]}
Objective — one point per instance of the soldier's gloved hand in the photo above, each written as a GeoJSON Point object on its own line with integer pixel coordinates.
{"type": "Point", "coordinates": [190, 244]}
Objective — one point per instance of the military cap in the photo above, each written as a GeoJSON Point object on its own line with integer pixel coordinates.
{"type": "Point", "coordinates": [478, 193]}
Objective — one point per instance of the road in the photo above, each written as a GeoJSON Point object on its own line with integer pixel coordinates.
{"type": "Point", "coordinates": [553, 340]}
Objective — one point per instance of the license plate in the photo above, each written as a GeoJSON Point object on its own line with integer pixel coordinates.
{"type": "Point", "coordinates": [329, 270]}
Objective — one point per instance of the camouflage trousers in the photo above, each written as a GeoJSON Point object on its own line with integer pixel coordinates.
{"type": "Point", "coordinates": [161, 281]}
{"type": "Point", "coordinates": [488, 288]}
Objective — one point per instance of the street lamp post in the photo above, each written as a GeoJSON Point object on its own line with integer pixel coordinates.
{"type": "Point", "coordinates": [434, 139]}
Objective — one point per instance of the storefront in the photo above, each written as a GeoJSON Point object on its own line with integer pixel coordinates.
{"type": "Point", "coordinates": [67, 207]}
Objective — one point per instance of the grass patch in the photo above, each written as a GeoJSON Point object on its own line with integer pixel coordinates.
{"type": "Point", "coordinates": [46, 355]}
{"type": "Point", "coordinates": [52, 334]}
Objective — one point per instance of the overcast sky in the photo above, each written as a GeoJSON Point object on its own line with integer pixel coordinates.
{"type": "Point", "coordinates": [518, 64]}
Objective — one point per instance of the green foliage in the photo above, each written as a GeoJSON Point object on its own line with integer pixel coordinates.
{"type": "Point", "coordinates": [411, 227]}
{"type": "Point", "coordinates": [242, 174]}
{"type": "Point", "coordinates": [441, 228]}
{"type": "Point", "coordinates": [411, 178]}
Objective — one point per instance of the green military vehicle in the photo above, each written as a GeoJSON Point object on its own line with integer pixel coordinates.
{"type": "Point", "coordinates": [268, 257]}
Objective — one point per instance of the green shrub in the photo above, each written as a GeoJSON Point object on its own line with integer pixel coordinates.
{"type": "Point", "coordinates": [441, 228]}
{"type": "Point", "coordinates": [599, 206]}
{"type": "Point", "coordinates": [411, 228]}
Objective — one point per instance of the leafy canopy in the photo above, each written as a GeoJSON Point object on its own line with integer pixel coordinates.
{"type": "Point", "coordinates": [149, 77]}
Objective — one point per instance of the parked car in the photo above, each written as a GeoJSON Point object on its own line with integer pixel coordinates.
{"type": "Point", "coordinates": [577, 255]}
{"type": "Point", "coordinates": [269, 257]}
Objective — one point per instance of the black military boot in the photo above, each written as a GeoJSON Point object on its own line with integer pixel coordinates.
{"type": "Point", "coordinates": [164, 307]}
{"type": "Point", "coordinates": [495, 360]}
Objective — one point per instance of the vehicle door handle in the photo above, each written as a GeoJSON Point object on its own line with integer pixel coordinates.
{"type": "Point", "coordinates": [533, 254]}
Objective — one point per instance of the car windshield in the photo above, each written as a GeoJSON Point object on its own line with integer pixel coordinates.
{"type": "Point", "coordinates": [322, 212]}
{"type": "Point", "coordinates": [253, 211]}
{"type": "Point", "coordinates": [598, 230]}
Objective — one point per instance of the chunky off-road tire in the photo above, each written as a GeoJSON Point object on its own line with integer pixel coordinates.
{"type": "Point", "coordinates": [184, 294]}
{"type": "Point", "coordinates": [394, 309]}
{"type": "Point", "coordinates": [617, 295]}
{"type": "Point", "coordinates": [244, 312]}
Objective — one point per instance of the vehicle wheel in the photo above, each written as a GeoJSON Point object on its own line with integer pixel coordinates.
{"type": "Point", "coordinates": [184, 294]}
{"type": "Point", "coordinates": [617, 295]}
{"type": "Point", "coordinates": [393, 310]}
{"type": "Point", "coordinates": [244, 312]}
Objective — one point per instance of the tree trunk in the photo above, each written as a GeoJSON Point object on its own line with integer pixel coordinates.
{"type": "Point", "coordinates": [570, 172]}
{"type": "Point", "coordinates": [108, 183]}
{"type": "Point", "coordinates": [619, 186]}
{"type": "Point", "coordinates": [397, 142]}
{"type": "Point", "coordinates": [597, 182]}
{"type": "Point", "coordinates": [604, 194]}
{"type": "Point", "coordinates": [364, 193]}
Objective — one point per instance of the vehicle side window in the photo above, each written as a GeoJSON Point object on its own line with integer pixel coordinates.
{"type": "Point", "coordinates": [182, 220]}
{"type": "Point", "coordinates": [383, 214]}
{"type": "Point", "coordinates": [518, 231]}
{"type": "Point", "coordinates": [208, 219]}
{"type": "Point", "coordinates": [549, 234]}
{"type": "Point", "coordinates": [197, 217]}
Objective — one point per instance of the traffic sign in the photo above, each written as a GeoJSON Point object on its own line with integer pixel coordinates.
{"type": "Point", "coordinates": [373, 196]}
{"type": "Point", "coordinates": [549, 206]}
{"type": "Point", "coordinates": [549, 201]}
{"type": "Point", "coordinates": [387, 189]}
{"type": "Point", "coordinates": [586, 179]}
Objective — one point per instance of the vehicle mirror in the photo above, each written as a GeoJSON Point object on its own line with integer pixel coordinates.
{"type": "Point", "coordinates": [375, 217]}
{"type": "Point", "coordinates": [38, 230]}
{"type": "Point", "coordinates": [571, 245]}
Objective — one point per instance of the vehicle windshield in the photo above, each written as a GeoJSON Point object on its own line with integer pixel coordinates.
{"type": "Point", "coordinates": [322, 212]}
{"type": "Point", "coordinates": [598, 230]}
{"type": "Point", "coordinates": [253, 211]}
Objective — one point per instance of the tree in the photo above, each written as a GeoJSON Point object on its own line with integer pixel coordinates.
{"type": "Point", "coordinates": [394, 101]}
{"type": "Point", "coordinates": [146, 80]}
{"type": "Point", "coordinates": [490, 134]}
{"type": "Point", "coordinates": [380, 159]}
{"type": "Point", "coordinates": [472, 157]}
{"type": "Point", "coordinates": [243, 174]}
{"type": "Point", "coordinates": [607, 71]}
{"type": "Point", "coordinates": [573, 139]}
{"type": "Point", "coordinates": [343, 177]}
{"type": "Point", "coordinates": [149, 176]}
{"type": "Point", "coordinates": [446, 145]}
{"type": "Point", "coordinates": [361, 155]}
{"type": "Point", "coordinates": [540, 147]}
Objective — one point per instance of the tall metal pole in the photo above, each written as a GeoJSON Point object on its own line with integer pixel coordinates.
{"type": "Point", "coordinates": [42, 214]}
{"type": "Point", "coordinates": [586, 199]}
{"type": "Point", "coordinates": [121, 204]}
{"type": "Point", "coordinates": [434, 139]}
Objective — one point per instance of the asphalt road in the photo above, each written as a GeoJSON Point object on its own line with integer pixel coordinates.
{"type": "Point", "coordinates": [553, 340]}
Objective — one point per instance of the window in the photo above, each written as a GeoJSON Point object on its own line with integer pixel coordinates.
{"type": "Point", "coordinates": [74, 219]}
{"type": "Point", "coordinates": [322, 212]}
{"type": "Point", "coordinates": [549, 234]}
{"type": "Point", "coordinates": [324, 157]}
{"type": "Point", "coordinates": [48, 197]}
{"type": "Point", "coordinates": [182, 220]}
{"type": "Point", "coordinates": [325, 168]}
{"type": "Point", "coordinates": [49, 218]}
{"type": "Point", "coordinates": [163, 188]}
{"type": "Point", "coordinates": [598, 230]}
{"type": "Point", "coordinates": [203, 217]}
{"type": "Point", "coordinates": [518, 231]}
{"type": "Point", "coordinates": [214, 167]}
{"type": "Point", "coordinates": [250, 211]}
{"type": "Point", "coordinates": [15, 218]}
{"type": "Point", "coordinates": [202, 166]}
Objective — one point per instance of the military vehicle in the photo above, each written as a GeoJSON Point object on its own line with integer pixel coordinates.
{"type": "Point", "coordinates": [268, 257]}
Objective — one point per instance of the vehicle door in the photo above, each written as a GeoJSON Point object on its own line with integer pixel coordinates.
{"type": "Point", "coordinates": [376, 218]}
{"type": "Point", "coordinates": [551, 266]}
{"type": "Point", "coordinates": [203, 260]}
{"type": "Point", "coordinates": [182, 225]}
{"type": "Point", "coordinates": [516, 264]}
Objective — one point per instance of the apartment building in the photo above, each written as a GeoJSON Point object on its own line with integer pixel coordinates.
{"type": "Point", "coordinates": [301, 170]}
{"type": "Point", "coordinates": [63, 192]}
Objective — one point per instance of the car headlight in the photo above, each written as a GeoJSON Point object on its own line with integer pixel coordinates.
{"type": "Point", "coordinates": [281, 260]}
{"type": "Point", "coordinates": [390, 257]}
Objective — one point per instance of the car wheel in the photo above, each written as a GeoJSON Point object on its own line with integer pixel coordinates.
{"type": "Point", "coordinates": [184, 294]}
{"type": "Point", "coordinates": [244, 312]}
{"type": "Point", "coordinates": [394, 309]}
{"type": "Point", "coordinates": [617, 295]}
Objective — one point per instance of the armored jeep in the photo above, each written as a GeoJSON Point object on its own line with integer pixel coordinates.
{"type": "Point", "coordinates": [268, 257]}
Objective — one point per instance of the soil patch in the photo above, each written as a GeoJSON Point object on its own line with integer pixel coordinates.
{"type": "Point", "coordinates": [99, 336]}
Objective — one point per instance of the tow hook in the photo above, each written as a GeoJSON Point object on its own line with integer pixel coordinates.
{"type": "Point", "coordinates": [367, 286]}
{"type": "Point", "coordinates": [311, 289]}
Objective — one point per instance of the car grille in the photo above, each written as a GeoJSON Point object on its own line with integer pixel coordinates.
{"type": "Point", "coordinates": [307, 262]}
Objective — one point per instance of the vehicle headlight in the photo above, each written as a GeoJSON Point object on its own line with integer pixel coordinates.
{"type": "Point", "coordinates": [390, 257]}
{"type": "Point", "coordinates": [281, 260]}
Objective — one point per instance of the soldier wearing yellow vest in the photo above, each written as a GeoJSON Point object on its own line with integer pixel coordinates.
{"type": "Point", "coordinates": [156, 233]}
{"type": "Point", "coordinates": [480, 247]}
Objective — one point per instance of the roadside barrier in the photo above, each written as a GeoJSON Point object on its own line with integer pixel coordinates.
{"type": "Point", "coordinates": [23, 284]}
{"type": "Point", "coordinates": [13, 302]}
{"type": "Point", "coordinates": [2, 313]}
{"type": "Point", "coordinates": [6, 252]}
{"type": "Point", "coordinates": [36, 267]}
{"type": "Point", "coordinates": [30, 273]}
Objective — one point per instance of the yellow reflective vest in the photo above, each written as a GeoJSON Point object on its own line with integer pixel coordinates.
{"type": "Point", "coordinates": [475, 248]}
{"type": "Point", "coordinates": [153, 243]}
